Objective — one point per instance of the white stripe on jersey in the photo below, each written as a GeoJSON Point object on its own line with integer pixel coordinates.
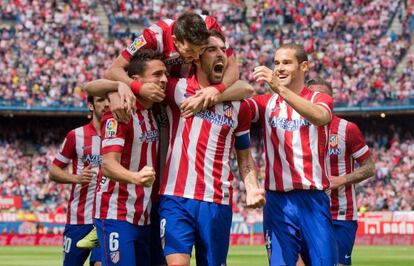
{"type": "Point", "coordinates": [209, 165]}
{"type": "Point", "coordinates": [270, 152]}
{"type": "Point", "coordinates": [79, 136]}
{"type": "Point", "coordinates": [298, 160]}
{"type": "Point", "coordinates": [286, 174]}
{"type": "Point", "coordinates": [225, 175]}
{"type": "Point", "coordinates": [342, 200]}
{"type": "Point", "coordinates": [360, 152]}
{"type": "Point", "coordinates": [133, 166]}
{"type": "Point", "coordinates": [195, 130]}
{"type": "Point", "coordinates": [159, 36]}
{"type": "Point", "coordinates": [114, 141]}
{"type": "Point", "coordinates": [96, 149]}
{"type": "Point", "coordinates": [62, 158]}
{"type": "Point", "coordinates": [146, 203]}
{"type": "Point", "coordinates": [113, 212]}
{"type": "Point", "coordinates": [176, 143]}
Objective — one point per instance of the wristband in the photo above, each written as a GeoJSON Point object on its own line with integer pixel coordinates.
{"type": "Point", "coordinates": [220, 87]}
{"type": "Point", "coordinates": [135, 86]}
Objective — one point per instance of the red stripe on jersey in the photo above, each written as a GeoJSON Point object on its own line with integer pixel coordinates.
{"type": "Point", "coordinates": [200, 158]}
{"type": "Point", "coordinates": [277, 160]}
{"type": "Point", "coordinates": [333, 160]}
{"type": "Point", "coordinates": [139, 190]}
{"type": "Point", "coordinates": [218, 165]}
{"type": "Point", "coordinates": [84, 188]}
{"type": "Point", "coordinates": [296, 179]}
{"type": "Point", "coordinates": [183, 173]}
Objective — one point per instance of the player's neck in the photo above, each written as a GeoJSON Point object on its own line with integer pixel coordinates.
{"type": "Point", "coordinates": [202, 78]}
{"type": "Point", "coordinates": [297, 87]}
{"type": "Point", "coordinates": [96, 124]}
{"type": "Point", "coordinates": [144, 103]}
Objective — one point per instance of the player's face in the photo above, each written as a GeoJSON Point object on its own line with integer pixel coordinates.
{"type": "Point", "coordinates": [99, 105]}
{"type": "Point", "coordinates": [287, 68]}
{"type": "Point", "coordinates": [189, 52]}
{"type": "Point", "coordinates": [320, 88]}
{"type": "Point", "coordinates": [213, 61]}
{"type": "Point", "coordinates": [155, 72]}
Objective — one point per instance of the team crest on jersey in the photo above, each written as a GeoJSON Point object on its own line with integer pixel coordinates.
{"type": "Point", "coordinates": [115, 257]}
{"type": "Point", "coordinates": [333, 140]}
{"type": "Point", "coordinates": [138, 43]}
{"type": "Point", "coordinates": [228, 109]}
{"type": "Point", "coordinates": [111, 127]}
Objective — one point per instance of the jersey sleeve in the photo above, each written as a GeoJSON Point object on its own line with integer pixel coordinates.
{"type": "Point", "coordinates": [324, 100]}
{"type": "Point", "coordinates": [67, 151]}
{"type": "Point", "coordinates": [147, 40]}
{"type": "Point", "coordinates": [244, 119]}
{"type": "Point", "coordinates": [212, 24]}
{"type": "Point", "coordinates": [113, 134]}
{"type": "Point", "coordinates": [242, 132]}
{"type": "Point", "coordinates": [355, 141]}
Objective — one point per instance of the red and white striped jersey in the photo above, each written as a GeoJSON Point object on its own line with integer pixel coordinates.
{"type": "Point", "coordinates": [198, 158]}
{"type": "Point", "coordinates": [137, 142]}
{"type": "Point", "coordinates": [159, 37]}
{"type": "Point", "coordinates": [295, 149]}
{"type": "Point", "coordinates": [82, 146]}
{"type": "Point", "coordinates": [346, 145]}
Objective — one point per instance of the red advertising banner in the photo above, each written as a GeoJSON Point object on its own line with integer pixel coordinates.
{"type": "Point", "coordinates": [31, 240]}
{"type": "Point", "coordinates": [8, 202]}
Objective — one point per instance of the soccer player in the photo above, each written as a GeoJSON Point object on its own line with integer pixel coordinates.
{"type": "Point", "coordinates": [294, 124]}
{"type": "Point", "coordinates": [346, 147]}
{"type": "Point", "coordinates": [129, 161]}
{"type": "Point", "coordinates": [196, 190]}
{"type": "Point", "coordinates": [180, 41]}
{"type": "Point", "coordinates": [82, 148]}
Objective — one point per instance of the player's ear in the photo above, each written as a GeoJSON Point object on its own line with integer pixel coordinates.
{"type": "Point", "coordinates": [304, 66]}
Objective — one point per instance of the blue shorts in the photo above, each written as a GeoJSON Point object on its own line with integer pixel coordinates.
{"type": "Point", "coordinates": [299, 222]}
{"type": "Point", "coordinates": [157, 255]}
{"type": "Point", "coordinates": [345, 232]}
{"type": "Point", "coordinates": [188, 222]}
{"type": "Point", "coordinates": [74, 256]}
{"type": "Point", "coordinates": [123, 243]}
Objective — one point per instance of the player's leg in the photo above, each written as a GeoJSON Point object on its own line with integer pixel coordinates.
{"type": "Point", "coordinates": [281, 229]}
{"type": "Point", "coordinates": [345, 232]}
{"type": "Point", "coordinates": [96, 257]}
{"type": "Point", "coordinates": [143, 246]}
{"type": "Point", "coordinates": [317, 228]}
{"type": "Point", "coordinates": [214, 223]}
{"type": "Point", "coordinates": [74, 256]}
{"type": "Point", "coordinates": [117, 242]}
{"type": "Point", "coordinates": [157, 255]}
{"type": "Point", "coordinates": [177, 229]}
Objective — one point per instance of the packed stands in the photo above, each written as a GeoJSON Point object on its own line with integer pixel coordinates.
{"type": "Point", "coordinates": [63, 43]}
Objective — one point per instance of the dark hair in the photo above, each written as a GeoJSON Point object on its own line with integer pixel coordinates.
{"type": "Point", "coordinates": [191, 27]}
{"type": "Point", "coordinates": [138, 63]}
{"type": "Point", "coordinates": [90, 99]}
{"type": "Point", "coordinates": [300, 53]}
{"type": "Point", "coordinates": [320, 81]}
{"type": "Point", "coordinates": [218, 34]}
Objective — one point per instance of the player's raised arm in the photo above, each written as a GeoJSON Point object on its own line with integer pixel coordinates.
{"type": "Point", "coordinates": [247, 169]}
{"type": "Point", "coordinates": [112, 169]}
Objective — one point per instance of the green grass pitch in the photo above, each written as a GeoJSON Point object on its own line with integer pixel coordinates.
{"type": "Point", "coordinates": [238, 256]}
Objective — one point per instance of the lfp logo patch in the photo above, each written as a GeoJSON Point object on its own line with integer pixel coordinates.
{"type": "Point", "coordinates": [138, 43]}
{"type": "Point", "coordinates": [111, 127]}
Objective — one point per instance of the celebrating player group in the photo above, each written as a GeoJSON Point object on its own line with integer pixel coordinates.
{"type": "Point", "coordinates": [151, 171]}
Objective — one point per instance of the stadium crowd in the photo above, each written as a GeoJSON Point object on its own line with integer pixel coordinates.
{"type": "Point", "coordinates": [65, 45]}
{"type": "Point", "coordinates": [25, 162]}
